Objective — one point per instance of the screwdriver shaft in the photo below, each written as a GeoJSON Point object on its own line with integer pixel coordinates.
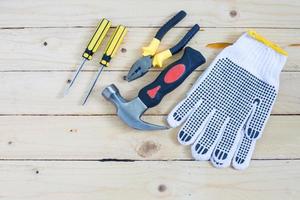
{"type": "Point", "coordinates": [93, 83]}
{"type": "Point", "coordinates": [92, 47]}
{"type": "Point", "coordinates": [112, 46]}
{"type": "Point", "coordinates": [74, 77]}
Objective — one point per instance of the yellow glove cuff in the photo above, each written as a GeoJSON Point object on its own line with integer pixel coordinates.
{"type": "Point", "coordinates": [266, 42]}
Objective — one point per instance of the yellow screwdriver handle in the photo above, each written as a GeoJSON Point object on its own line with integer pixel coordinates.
{"type": "Point", "coordinates": [113, 45]}
{"type": "Point", "coordinates": [97, 39]}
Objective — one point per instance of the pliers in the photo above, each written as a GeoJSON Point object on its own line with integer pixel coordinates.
{"type": "Point", "coordinates": [150, 58]}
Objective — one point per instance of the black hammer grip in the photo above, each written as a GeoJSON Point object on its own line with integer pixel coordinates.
{"type": "Point", "coordinates": [171, 77]}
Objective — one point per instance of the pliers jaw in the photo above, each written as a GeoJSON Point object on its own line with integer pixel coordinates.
{"type": "Point", "coordinates": [151, 58]}
{"type": "Point", "coordinates": [139, 68]}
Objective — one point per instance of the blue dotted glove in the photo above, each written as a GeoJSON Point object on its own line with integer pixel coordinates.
{"type": "Point", "coordinates": [226, 110]}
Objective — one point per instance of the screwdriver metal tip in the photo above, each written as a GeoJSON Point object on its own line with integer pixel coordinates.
{"type": "Point", "coordinates": [74, 77]}
{"type": "Point", "coordinates": [92, 85]}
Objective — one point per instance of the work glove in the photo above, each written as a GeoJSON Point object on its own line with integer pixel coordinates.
{"type": "Point", "coordinates": [226, 110]}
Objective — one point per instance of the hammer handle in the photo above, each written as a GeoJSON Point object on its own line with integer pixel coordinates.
{"type": "Point", "coordinates": [171, 77]}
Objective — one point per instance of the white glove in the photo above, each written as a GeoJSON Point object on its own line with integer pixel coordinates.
{"type": "Point", "coordinates": [228, 106]}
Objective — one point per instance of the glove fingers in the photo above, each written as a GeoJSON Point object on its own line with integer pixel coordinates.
{"type": "Point", "coordinates": [224, 151]}
{"type": "Point", "coordinates": [243, 153]}
{"type": "Point", "coordinates": [182, 110]}
{"type": "Point", "coordinates": [195, 97]}
{"type": "Point", "coordinates": [195, 123]}
{"type": "Point", "coordinates": [261, 112]}
{"type": "Point", "coordinates": [246, 145]}
{"type": "Point", "coordinates": [208, 138]}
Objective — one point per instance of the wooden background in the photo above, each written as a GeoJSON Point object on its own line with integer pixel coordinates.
{"type": "Point", "coordinates": [53, 148]}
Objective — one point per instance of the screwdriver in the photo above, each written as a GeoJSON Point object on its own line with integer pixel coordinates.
{"type": "Point", "coordinates": [110, 50]}
{"type": "Point", "coordinates": [93, 45]}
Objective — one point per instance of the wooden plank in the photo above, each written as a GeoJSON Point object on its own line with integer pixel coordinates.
{"type": "Point", "coordinates": [40, 93]}
{"type": "Point", "coordinates": [254, 13]}
{"type": "Point", "coordinates": [106, 137]}
{"type": "Point", "coordinates": [64, 46]}
{"type": "Point", "coordinates": [148, 180]}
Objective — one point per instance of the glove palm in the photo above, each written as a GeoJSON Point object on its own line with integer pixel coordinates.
{"type": "Point", "coordinates": [226, 110]}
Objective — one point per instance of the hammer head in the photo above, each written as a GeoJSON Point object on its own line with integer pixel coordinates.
{"type": "Point", "coordinates": [129, 111]}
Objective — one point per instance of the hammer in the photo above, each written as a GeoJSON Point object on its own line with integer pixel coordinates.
{"type": "Point", "coordinates": [151, 95]}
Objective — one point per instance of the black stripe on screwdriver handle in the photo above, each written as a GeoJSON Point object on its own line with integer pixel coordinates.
{"type": "Point", "coordinates": [188, 36]}
{"type": "Point", "coordinates": [170, 24]}
{"type": "Point", "coordinates": [171, 77]}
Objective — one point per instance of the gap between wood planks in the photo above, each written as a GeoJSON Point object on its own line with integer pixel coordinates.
{"type": "Point", "coordinates": [90, 70]}
{"type": "Point", "coordinates": [202, 27]}
{"type": "Point", "coordinates": [99, 115]}
{"type": "Point", "coordinates": [130, 160]}
{"type": "Point", "coordinates": [59, 54]}
{"type": "Point", "coordinates": [112, 159]}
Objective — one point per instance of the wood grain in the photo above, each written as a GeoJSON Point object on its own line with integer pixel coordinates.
{"type": "Point", "coordinates": [92, 137]}
{"type": "Point", "coordinates": [64, 46]}
{"type": "Point", "coordinates": [40, 93]}
{"type": "Point", "coordinates": [147, 180]}
{"type": "Point", "coordinates": [254, 13]}
{"type": "Point", "coordinates": [54, 148]}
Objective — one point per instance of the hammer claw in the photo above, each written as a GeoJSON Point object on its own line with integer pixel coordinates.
{"type": "Point", "coordinates": [129, 111]}
{"type": "Point", "coordinates": [142, 125]}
